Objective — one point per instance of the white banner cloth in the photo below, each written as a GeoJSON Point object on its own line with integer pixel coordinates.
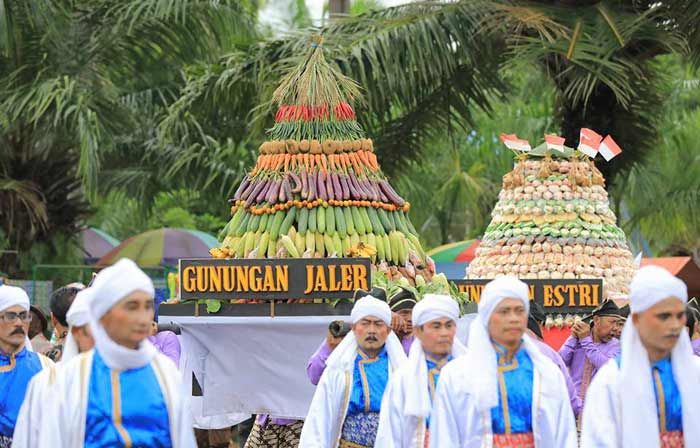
{"type": "Point", "coordinates": [254, 365]}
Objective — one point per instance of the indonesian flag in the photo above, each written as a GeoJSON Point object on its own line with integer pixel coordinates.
{"type": "Point", "coordinates": [609, 149]}
{"type": "Point", "coordinates": [513, 142]}
{"type": "Point", "coordinates": [589, 142]}
{"type": "Point", "coordinates": [554, 142]}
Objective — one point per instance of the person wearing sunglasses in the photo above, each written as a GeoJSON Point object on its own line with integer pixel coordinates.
{"type": "Point", "coordinates": [18, 363]}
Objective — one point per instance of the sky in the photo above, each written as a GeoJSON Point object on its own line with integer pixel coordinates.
{"type": "Point", "coordinates": [274, 11]}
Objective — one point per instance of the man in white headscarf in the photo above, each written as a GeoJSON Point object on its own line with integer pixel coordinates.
{"type": "Point", "coordinates": [123, 392]}
{"type": "Point", "coordinates": [344, 411]}
{"type": "Point", "coordinates": [39, 392]}
{"type": "Point", "coordinates": [18, 363]}
{"type": "Point", "coordinates": [648, 397]}
{"type": "Point", "coordinates": [404, 419]}
{"type": "Point", "coordinates": [503, 392]}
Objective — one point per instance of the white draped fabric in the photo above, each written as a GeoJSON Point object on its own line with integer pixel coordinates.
{"type": "Point", "coordinates": [402, 425]}
{"type": "Point", "coordinates": [66, 414]}
{"type": "Point", "coordinates": [625, 394]}
{"type": "Point", "coordinates": [457, 421]}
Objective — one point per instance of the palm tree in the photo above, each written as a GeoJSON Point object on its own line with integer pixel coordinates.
{"type": "Point", "coordinates": [68, 71]}
{"type": "Point", "coordinates": [423, 64]}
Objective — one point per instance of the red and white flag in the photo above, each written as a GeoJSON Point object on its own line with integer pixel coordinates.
{"type": "Point", "coordinates": [589, 142]}
{"type": "Point", "coordinates": [554, 142]}
{"type": "Point", "coordinates": [609, 149]}
{"type": "Point", "coordinates": [513, 142]}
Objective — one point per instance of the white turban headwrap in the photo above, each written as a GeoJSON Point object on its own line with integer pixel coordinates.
{"type": "Point", "coordinates": [111, 286]}
{"type": "Point", "coordinates": [650, 286]}
{"type": "Point", "coordinates": [343, 357]}
{"type": "Point", "coordinates": [485, 369]}
{"type": "Point", "coordinates": [431, 307]}
{"type": "Point", "coordinates": [369, 306]}
{"type": "Point", "coordinates": [15, 296]}
{"type": "Point", "coordinates": [78, 316]}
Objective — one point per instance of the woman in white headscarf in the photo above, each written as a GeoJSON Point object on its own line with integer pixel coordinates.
{"type": "Point", "coordinates": [123, 392]}
{"type": "Point", "coordinates": [405, 416]}
{"type": "Point", "coordinates": [649, 397]}
{"type": "Point", "coordinates": [503, 392]}
{"type": "Point", "coordinates": [345, 406]}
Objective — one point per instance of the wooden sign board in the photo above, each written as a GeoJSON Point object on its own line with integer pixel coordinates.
{"type": "Point", "coordinates": [273, 279]}
{"type": "Point", "coordinates": [555, 296]}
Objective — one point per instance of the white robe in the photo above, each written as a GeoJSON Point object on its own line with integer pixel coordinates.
{"type": "Point", "coordinates": [29, 419]}
{"type": "Point", "coordinates": [601, 426]}
{"type": "Point", "coordinates": [395, 428]}
{"type": "Point", "coordinates": [31, 414]}
{"type": "Point", "coordinates": [456, 421]}
{"type": "Point", "coordinates": [65, 425]}
{"type": "Point", "coordinates": [329, 406]}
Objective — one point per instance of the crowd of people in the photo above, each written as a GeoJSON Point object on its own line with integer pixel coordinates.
{"type": "Point", "coordinates": [396, 375]}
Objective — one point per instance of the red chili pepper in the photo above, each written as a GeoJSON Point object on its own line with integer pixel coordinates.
{"type": "Point", "coordinates": [306, 113]}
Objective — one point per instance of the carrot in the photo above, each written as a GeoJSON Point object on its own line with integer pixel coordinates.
{"type": "Point", "coordinates": [353, 159]}
{"type": "Point", "coordinates": [312, 162]}
{"type": "Point", "coordinates": [372, 157]}
{"type": "Point", "coordinates": [287, 158]}
{"type": "Point", "coordinates": [363, 158]}
{"type": "Point", "coordinates": [323, 162]}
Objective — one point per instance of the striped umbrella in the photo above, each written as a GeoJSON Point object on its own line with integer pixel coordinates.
{"type": "Point", "coordinates": [96, 243]}
{"type": "Point", "coordinates": [460, 252]}
{"type": "Point", "coordinates": [162, 247]}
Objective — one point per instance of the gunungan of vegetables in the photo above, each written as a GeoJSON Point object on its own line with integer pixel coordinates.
{"type": "Point", "coordinates": [317, 189]}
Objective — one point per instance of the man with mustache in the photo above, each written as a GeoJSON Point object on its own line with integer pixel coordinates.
{"type": "Point", "coordinates": [122, 392]}
{"type": "Point", "coordinates": [404, 420]}
{"type": "Point", "coordinates": [18, 364]}
{"type": "Point", "coordinates": [32, 413]}
{"type": "Point", "coordinates": [344, 411]}
{"type": "Point", "coordinates": [591, 345]}
{"type": "Point", "coordinates": [649, 396]}
{"type": "Point", "coordinates": [503, 393]}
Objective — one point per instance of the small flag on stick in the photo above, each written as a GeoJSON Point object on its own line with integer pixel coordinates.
{"type": "Point", "coordinates": [513, 142]}
{"type": "Point", "coordinates": [554, 142]}
{"type": "Point", "coordinates": [589, 142]}
{"type": "Point", "coordinates": [609, 149]}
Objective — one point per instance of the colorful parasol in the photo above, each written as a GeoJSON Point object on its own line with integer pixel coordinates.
{"type": "Point", "coordinates": [96, 243]}
{"type": "Point", "coordinates": [459, 252]}
{"type": "Point", "coordinates": [162, 247]}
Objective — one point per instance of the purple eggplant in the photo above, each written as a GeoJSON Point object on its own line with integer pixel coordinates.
{"type": "Point", "coordinates": [390, 193]}
{"type": "Point", "coordinates": [242, 187]}
{"type": "Point", "coordinates": [297, 182]}
{"type": "Point", "coordinates": [274, 191]}
{"type": "Point", "coordinates": [337, 188]}
{"type": "Point", "coordinates": [304, 184]}
{"type": "Point", "coordinates": [259, 186]}
{"type": "Point", "coordinates": [251, 186]}
{"type": "Point", "coordinates": [374, 189]}
{"type": "Point", "coordinates": [262, 194]}
{"type": "Point", "coordinates": [350, 189]}
{"type": "Point", "coordinates": [321, 188]}
{"type": "Point", "coordinates": [329, 186]}
{"type": "Point", "coordinates": [344, 186]}
{"type": "Point", "coordinates": [312, 186]}
{"type": "Point", "coordinates": [288, 189]}
{"type": "Point", "coordinates": [368, 188]}
{"type": "Point", "coordinates": [354, 186]}
{"type": "Point", "coordinates": [284, 186]}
